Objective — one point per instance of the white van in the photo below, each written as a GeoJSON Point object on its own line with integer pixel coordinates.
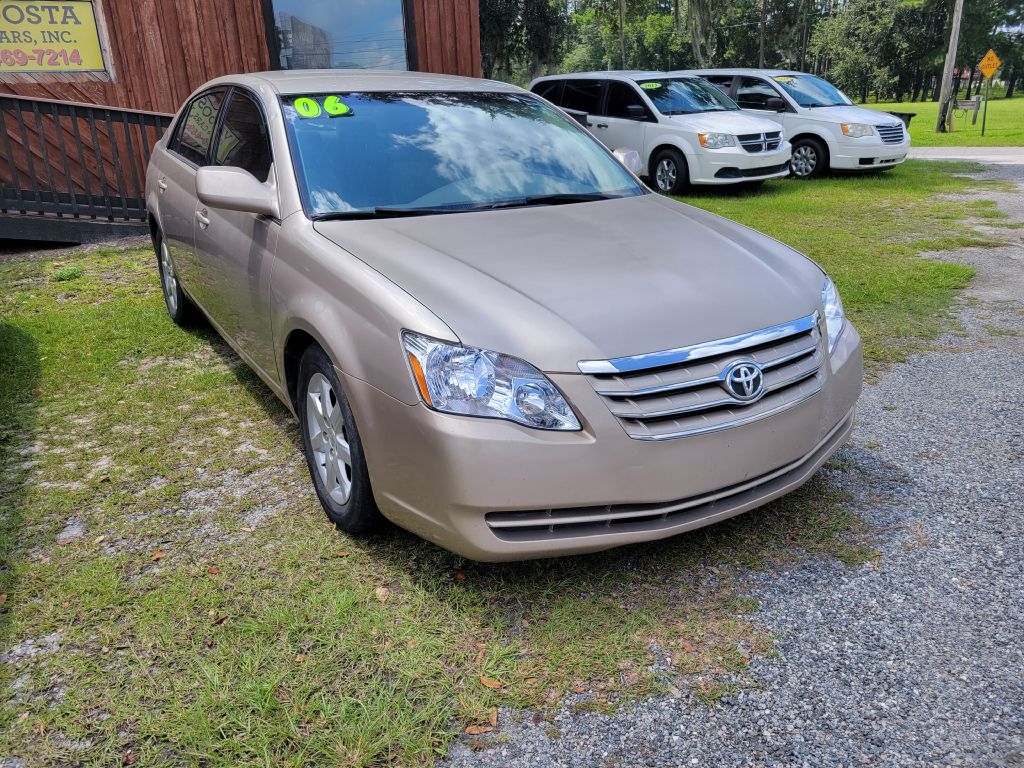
{"type": "Point", "coordinates": [825, 128]}
{"type": "Point", "coordinates": [686, 131]}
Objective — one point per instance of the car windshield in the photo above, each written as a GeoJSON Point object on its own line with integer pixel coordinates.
{"type": "Point", "coordinates": [397, 153]}
{"type": "Point", "coordinates": [686, 96]}
{"type": "Point", "coordinates": [810, 91]}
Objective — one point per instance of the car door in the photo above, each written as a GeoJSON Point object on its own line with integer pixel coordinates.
{"type": "Point", "coordinates": [235, 250]}
{"type": "Point", "coordinates": [584, 95]}
{"type": "Point", "coordinates": [187, 150]}
{"type": "Point", "coordinates": [752, 94]}
{"type": "Point", "coordinates": [624, 127]}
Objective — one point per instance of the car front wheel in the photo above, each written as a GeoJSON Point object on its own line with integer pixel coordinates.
{"type": "Point", "coordinates": [671, 175]}
{"type": "Point", "coordinates": [334, 452]}
{"type": "Point", "coordinates": [810, 159]}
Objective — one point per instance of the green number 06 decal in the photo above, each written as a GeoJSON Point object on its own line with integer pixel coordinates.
{"type": "Point", "coordinates": [307, 107]}
{"type": "Point", "coordinates": [335, 107]}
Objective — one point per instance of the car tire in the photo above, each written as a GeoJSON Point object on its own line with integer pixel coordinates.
{"type": "Point", "coordinates": [670, 175]}
{"type": "Point", "coordinates": [810, 158]}
{"type": "Point", "coordinates": [334, 452]}
{"type": "Point", "coordinates": [179, 306]}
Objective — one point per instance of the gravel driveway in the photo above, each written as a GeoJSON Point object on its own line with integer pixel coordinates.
{"type": "Point", "coordinates": [913, 660]}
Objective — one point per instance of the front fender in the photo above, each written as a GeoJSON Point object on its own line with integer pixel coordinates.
{"type": "Point", "coordinates": [354, 312]}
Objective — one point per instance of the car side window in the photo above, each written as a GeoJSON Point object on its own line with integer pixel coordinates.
{"type": "Point", "coordinates": [550, 90]}
{"type": "Point", "coordinates": [242, 141]}
{"type": "Point", "coordinates": [193, 136]}
{"type": "Point", "coordinates": [582, 95]}
{"type": "Point", "coordinates": [721, 82]}
{"type": "Point", "coordinates": [621, 96]}
{"type": "Point", "coordinates": [753, 93]}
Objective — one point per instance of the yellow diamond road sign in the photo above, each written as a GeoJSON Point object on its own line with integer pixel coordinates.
{"type": "Point", "coordinates": [989, 64]}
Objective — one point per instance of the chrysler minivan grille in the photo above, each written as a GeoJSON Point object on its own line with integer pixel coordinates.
{"type": "Point", "coordinates": [761, 142]}
{"type": "Point", "coordinates": [891, 134]}
{"type": "Point", "coordinates": [682, 392]}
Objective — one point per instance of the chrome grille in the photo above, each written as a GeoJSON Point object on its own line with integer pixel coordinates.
{"type": "Point", "coordinates": [761, 142]}
{"type": "Point", "coordinates": [891, 134]}
{"type": "Point", "coordinates": [681, 392]}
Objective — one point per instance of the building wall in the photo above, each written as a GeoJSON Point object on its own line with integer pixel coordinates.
{"type": "Point", "coordinates": [447, 36]}
{"type": "Point", "coordinates": [159, 55]}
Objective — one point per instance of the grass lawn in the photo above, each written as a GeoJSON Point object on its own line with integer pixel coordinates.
{"type": "Point", "coordinates": [1004, 127]}
{"type": "Point", "coordinates": [172, 594]}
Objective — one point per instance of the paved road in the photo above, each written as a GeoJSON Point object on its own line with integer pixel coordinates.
{"type": "Point", "coordinates": [987, 155]}
{"type": "Point", "coordinates": [917, 661]}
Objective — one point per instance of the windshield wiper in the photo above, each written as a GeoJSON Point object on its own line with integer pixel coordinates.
{"type": "Point", "coordinates": [392, 213]}
{"type": "Point", "coordinates": [556, 199]}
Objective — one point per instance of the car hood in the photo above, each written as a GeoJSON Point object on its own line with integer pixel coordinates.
{"type": "Point", "coordinates": [853, 114]}
{"type": "Point", "coordinates": [733, 121]}
{"type": "Point", "coordinates": [554, 285]}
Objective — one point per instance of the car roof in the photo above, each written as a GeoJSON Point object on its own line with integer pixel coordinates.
{"type": "Point", "coordinates": [615, 74]}
{"type": "Point", "coordinates": [287, 82]}
{"type": "Point", "coordinates": [741, 71]}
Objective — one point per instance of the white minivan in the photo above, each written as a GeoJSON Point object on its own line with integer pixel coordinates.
{"type": "Point", "coordinates": [825, 128]}
{"type": "Point", "coordinates": [686, 131]}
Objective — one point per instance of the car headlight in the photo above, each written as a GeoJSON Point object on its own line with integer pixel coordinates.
{"type": "Point", "coordinates": [835, 320]}
{"type": "Point", "coordinates": [716, 140]}
{"type": "Point", "coordinates": [477, 382]}
{"type": "Point", "coordinates": [857, 130]}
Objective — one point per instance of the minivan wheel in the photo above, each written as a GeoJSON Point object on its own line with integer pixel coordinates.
{"type": "Point", "coordinates": [181, 309]}
{"type": "Point", "coordinates": [334, 453]}
{"type": "Point", "coordinates": [671, 175]}
{"type": "Point", "coordinates": [810, 159]}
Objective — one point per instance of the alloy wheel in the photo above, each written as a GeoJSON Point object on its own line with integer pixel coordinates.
{"type": "Point", "coordinates": [169, 279]}
{"type": "Point", "coordinates": [665, 175]}
{"type": "Point", "coordinates": [325, 427]}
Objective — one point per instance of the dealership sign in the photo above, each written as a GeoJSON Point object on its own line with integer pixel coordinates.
{"type": "Point", "coordinates": [49, 37]}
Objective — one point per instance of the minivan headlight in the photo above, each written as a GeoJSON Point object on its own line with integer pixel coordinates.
{"type": "Point", "coordinates": [835, 320]}
{"type": "Point", "coordinates": [857, 130]}
{"type": "Point", "coordinates": [477, 382]}
{"type": "Point", "coordinates": [716, 140]}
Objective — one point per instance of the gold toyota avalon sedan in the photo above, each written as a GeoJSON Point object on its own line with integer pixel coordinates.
{"type": "Point", "coordinates": [491, 332]}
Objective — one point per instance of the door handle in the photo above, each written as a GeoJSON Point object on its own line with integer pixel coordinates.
{"type": "Point", "coordinates": [162, 184]}
{"type": "Point", "coordinates": [602, 125]}
{"type": "Point", "coordinates": [201, 218]}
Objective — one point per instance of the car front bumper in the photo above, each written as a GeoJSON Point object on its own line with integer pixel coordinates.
{"type": "Point", "coordinates": [868, 155]}
{"type": "Point", "coordinates": [735, 165]}
{"type": "Point", "coordinates": [444, 477]}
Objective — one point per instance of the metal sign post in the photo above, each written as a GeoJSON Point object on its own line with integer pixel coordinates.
{"type": "Point", "coordinates": [988, 67]}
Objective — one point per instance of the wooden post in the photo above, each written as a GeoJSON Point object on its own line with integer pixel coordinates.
{"type": "Point", "coordinates": [947, 70]}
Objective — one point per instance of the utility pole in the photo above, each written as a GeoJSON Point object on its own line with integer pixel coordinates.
{"type": "Point", "coordinates": [945, 94]}
{"type": "Point", "coordinates": [622, 32]}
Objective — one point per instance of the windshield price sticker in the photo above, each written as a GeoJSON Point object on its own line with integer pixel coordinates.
{"type": "Point", "coordinates": [650, 86]}
{"type": "Point", "coordinates": [785, 79]}
{"type": "Point", "coordinates": [333, 106]}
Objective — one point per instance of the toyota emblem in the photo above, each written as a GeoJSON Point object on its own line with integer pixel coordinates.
{"type": "Point", "coordinates": [744, 380]}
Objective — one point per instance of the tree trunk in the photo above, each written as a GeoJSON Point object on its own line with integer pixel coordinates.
{"type": "Point", "coordinates": [1011, 81]}
{"type": "Point", "coordinates": [970, 82]}
{"type": "Point", "coordinates": [760, 34]}
{"type": "Point", "coordinates": [936, 89]}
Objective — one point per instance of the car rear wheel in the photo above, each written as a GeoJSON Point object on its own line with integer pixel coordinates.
{"type": "Point", "coordinates": [179, 306]}
{"type": "Point", "coordinates": [670, 175]}
{"type": "Point", "coordinates": [810, 159]}
{"type": "Point", "coordinates": [333, 450]}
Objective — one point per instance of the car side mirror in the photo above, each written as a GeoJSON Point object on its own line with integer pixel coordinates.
{"type": "Point", "coordinates": [580, 117]}
{"type": "Point", "coordinates": [775, 103]}
{"type": "Point", "coordinates": [234, 189]}
{"type": "Point", "coordinates": [636, 111]}
{"type": "Point", "coordinates": [630, 158]}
